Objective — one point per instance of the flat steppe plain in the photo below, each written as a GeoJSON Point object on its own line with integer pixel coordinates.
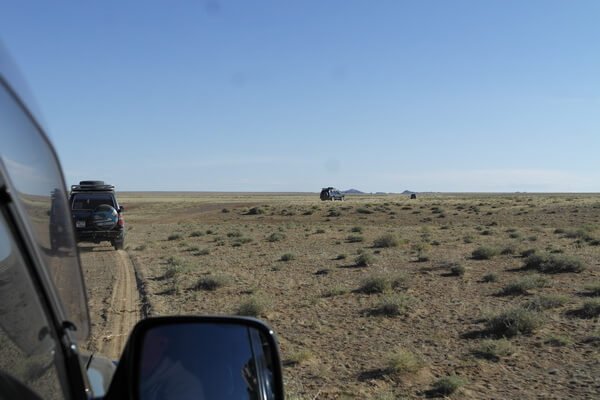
{"type": "Point", "coordinates": [418, 311]}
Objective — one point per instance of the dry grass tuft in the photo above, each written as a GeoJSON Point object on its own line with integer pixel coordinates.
{"type": "Point", "coordinates": [403, 361]}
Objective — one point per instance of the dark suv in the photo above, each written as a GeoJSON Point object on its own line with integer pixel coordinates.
{"type": "Point", "coordinates": [330, 193]}
{"type": "Point", "coordinates": [96, 213]}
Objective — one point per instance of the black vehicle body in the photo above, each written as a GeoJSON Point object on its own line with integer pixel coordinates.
{"type": "Point", "coordinates": [330, 193]}
{"type": "Point", "coordinates": [96, 213]}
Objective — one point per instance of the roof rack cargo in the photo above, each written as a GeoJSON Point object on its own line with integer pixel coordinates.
{"type": "Point", "coordinates": [91, 183]}
{"type": "Point", "coordinates": [91, 186]}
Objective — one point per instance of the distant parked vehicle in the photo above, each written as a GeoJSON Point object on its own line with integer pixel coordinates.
{"type": "Point", "coordinates": [413, 196]}
{"type": "Point", "coordinates": [330, 193]}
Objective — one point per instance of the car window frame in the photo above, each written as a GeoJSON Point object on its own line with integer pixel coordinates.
{"type": "Point", "coordinates": [70, 371]}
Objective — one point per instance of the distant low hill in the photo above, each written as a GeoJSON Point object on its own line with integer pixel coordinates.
{"type": "Point", "coordinates": [408, 192]}
{"type": "Point", "coordinates": [352, 191]}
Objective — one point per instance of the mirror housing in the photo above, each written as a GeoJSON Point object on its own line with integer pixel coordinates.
{"type": "Point", "coordinates": [199, 357]}
{"type": "Point", "coordinates": [121, 209]}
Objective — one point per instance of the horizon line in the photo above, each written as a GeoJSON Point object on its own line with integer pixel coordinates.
{"type": "Point", "coordinates": [380, 193]}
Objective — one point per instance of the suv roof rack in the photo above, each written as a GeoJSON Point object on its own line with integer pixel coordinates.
{"type": "Point", "coordinates": [91, 186]}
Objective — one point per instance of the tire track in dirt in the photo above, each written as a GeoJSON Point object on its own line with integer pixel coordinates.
{"type": "Point", "coordinates": [114, 298]}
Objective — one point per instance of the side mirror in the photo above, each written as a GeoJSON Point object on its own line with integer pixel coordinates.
{"type": "Point", "coordinates": [199, 357]}
{"type": "Point", "coordinates": [121, 209]}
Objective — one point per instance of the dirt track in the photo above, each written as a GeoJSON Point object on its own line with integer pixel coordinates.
{"type": "Point", "coordinates": [113, 297]}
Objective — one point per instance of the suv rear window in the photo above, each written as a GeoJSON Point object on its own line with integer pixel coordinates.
{"type": "Point", "coordinates": [90, 201]}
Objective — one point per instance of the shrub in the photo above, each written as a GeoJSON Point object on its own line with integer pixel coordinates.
{"type": "Point", "coordinates": [334, 291]}
{"type": "Point", "coordinates": [141, 247]}
{"type": "Point", "coordinates": [225, 210]}
{"type": "Point", "coordinates": [583, 233]}
{"type": "Point", "coordinates": [528, 252]}
{"type": "Point", "coordinates": [356, 229]}
{"type": "Point", "coordinates": [524, 284]}
{"type": "Point", "coordinates": [240, 241]}
{"type": "Point", "coordinates": [448, 385]}
{"type": "Point", "coordinates": [255, 211]}
{"type": "Point", "coordinates": [210, 283]}
{"type": "Point", "coordinates": [354, 239]}
{"type": "Point", "coordinates": [421, 250]}
{"type": "Point", "coordinates": [299, 357]}
{"type": "Point", "coordinates": [457, 270]}
{"type": "Point", "coordinates": [387, 240]}
{"type": "Point", "coordinates": [334, 213]}
{"type": "Point", "coordinates": [202, 252]}
{"type": "Point", "coordinates": [546, 302]}
{"type": "Point", "coordinates": [553, 263]}
{"type": "Point", "coordinates": [174, 236]}
{"type": "Point", "coordinates": [288, 257]}
{"type": "Point", "coordinates": [362, 210]}
{"type": "Point", "coordinates": [234, 234]}
{"type": "Point", "coordinates": [375, 284]}
{"type": "Point", "coordinates": [253, 307]}
{"type": "Point", "coordinates": [403, 362]}
{"type": "Point", "coordinates": [517, 321]}
{"type": "Point", "coordinates": [171, 272]}
{"type": "Point", "coordinates": [172, 260]}
{"type": "Point", "coordinates": [341, 257]}
{"type": "Point", "coordinates": [494, 350]}
{"type": "Point", "coordinates": [319, 231]}
{"type": "Point", "coordinates": [491, 277]}
{"type": "Point", "coordinates": [558, 340]}
{"type": "Point", "coordinates": [393, 305]}
{"type": "Point", "coordinates": [275, 237]}
{"type": "Point", "coordinates": [484, 253]}
{"type": "Point", "coordinates": [590, 309]}
{"type": "Point", "coordinates": [593, 289]}
{"type": "Point", "coordinates": [509, 249]}
{"type": "Point", "coordinates": [364, 260]}
{"type": "Point", "coordinates": [400, 281]}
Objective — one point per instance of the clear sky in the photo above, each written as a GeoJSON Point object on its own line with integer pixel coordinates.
{"type": "Point", "coordinates": [255, 95]}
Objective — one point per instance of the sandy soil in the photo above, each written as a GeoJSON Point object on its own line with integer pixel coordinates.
{"type": "Point", "coordinates": [113, 297]}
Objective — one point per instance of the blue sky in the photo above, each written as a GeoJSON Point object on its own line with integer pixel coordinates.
{"type": "Point", "coordinates": [294, 96]}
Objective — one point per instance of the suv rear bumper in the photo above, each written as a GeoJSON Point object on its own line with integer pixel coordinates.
{"type": "Point", "coordinates": [99, 236]}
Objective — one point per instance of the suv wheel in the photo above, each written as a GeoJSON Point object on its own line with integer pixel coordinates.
{"type": "Point", "coordinates": [118, 244]}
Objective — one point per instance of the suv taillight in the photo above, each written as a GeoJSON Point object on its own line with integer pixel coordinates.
{"type": "Point", "coordinates": [121, 222]}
